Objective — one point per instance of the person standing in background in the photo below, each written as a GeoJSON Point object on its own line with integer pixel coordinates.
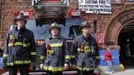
{"type": "Point", "coordinates": [108, 57]}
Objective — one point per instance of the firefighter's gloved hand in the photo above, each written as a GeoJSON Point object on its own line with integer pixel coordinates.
{"type": "Point", "coordinates": [66, 66]}
{"type": "Point", "coordinates": [41, 66]}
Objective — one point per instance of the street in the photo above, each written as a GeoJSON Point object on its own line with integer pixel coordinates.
{"type": "Point", "coordinates": [126, 72]}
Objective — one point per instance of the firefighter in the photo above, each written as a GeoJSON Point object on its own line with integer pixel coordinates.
{"type": "Point", "coordinates": [20, 49]}
{"type": "Point", "coordinates": [57, 55]}
{"type": "Point", "coordinates": [85, 50]}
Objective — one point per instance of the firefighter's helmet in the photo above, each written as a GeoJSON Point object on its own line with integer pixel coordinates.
{"type": "Point", "coordinates": [85, 24]}
{"type": "Point", "coordinates": [54, 25]}
{"type": "Point", "coordinates": [20, 17]}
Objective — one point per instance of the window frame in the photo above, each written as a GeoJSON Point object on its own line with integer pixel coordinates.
{"type": "Point", "coordinates": [116, 1]}
{"type": "Point", "coordinates": [130, 0]}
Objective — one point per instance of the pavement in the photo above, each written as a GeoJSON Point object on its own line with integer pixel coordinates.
{"type": "Point", "coordinates": [117, 71]}
{"type": "Point", "coordinates": [126, 72]}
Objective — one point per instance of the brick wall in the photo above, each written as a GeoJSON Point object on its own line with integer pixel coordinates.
{"type": "Point", "coordinates": [0, 10]}
{"type": "Point", "coordinates": [7, 15]}
{"type": "Point", "coordinates": [103, 21]}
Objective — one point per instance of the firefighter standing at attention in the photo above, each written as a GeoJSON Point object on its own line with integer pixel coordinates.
{"type": "Point", "coordinates": [57, 55]}
{"type": "Point", "coordinates": [85, 50]}
{"type": "Point", "coordinates": [20, 48]}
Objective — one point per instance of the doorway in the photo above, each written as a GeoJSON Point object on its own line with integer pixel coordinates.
{"type": "Point", "coordinates": [126, 42]}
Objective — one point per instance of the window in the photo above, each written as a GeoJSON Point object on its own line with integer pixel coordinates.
{"type": "Point", "coordinates": [115, 1]}
{"type": "Point", "coordinates": [130, 0]}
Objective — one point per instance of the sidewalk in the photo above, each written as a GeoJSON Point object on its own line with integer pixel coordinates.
{"type": "Point", "coordinates": [129, 71]}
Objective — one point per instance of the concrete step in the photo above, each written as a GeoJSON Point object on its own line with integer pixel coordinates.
{"type": "Point", "coordinates": [104, 69]}
{"type": "Point", "coordinates": [43, 73]}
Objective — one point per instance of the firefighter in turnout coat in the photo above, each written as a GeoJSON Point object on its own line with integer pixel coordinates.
{"type": "Point", "coordinates": [85, 50]}
{"type": "Point", "coordinates": [20, 48]}
{"type": "Point", "coordinates": [57, 56]}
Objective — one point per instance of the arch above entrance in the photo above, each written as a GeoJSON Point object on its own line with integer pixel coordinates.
{"type": "Point", "coordinates": [118, 23]}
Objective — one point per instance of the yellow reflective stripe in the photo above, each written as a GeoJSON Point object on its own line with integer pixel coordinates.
{"type": "Point", "coordinates": [27, 62]}
{"type": "Point", "coordinates": [19, 44]}
{"type": "Point", "coordinates": [50, 51]}
{"type": "Point", "coordinates": [11, 37]}
{"type": "Point", "coordinates": [69, 56]}
{"type": "Point", "coordinates": [22, 62]}
{"type": "Point", "coordinates": [5, 55]}
{"type": "Point", "coordinates": [78, 49]}
{"type": "Point", "coordinates": [86, 49]}
{"type": "Point", "coordinates": [33, 53]}
{"type": "Point", "coordinates": [10, 44]}
{"type": "Point", "coordinates": [72, 56]}
{"type": "Point", "coordinates": [85, 68]}
{"type": "Point", "coordinates": [54, 69]}
{"type": "Point", "coordinates": [97, 57]}
{"type": "Point", "coordinates": [26, 45]}
{"type": "Point", "coordinates": [42, 57]}
{"type": "Point", "coordinates": [56, 44]}
{"type": "Point", "coordinates": [95, 68]}
{"type": "Point", "coordinates": [22, 44]}
{"type": "Point", "coordinates": [9, 64]}
{"type": "Point", "coordinates": [19, 62]}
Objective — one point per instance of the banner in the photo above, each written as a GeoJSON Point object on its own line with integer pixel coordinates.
{"type": "Point", "coordinates": [95, 6]}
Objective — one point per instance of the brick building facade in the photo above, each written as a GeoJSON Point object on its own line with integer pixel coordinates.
{"type": "Point", "coordinates": [114, 26]}
{"type": "Point", "coordinates": [1, 10]}
{"type": "Point", "coordinates": [122, 15]}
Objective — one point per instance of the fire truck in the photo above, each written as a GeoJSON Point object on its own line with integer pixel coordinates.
{"type": "Point", "coordinates": [47, 12]}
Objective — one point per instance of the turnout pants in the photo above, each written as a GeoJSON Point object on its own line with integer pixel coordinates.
{"type": "Point", "coordinates": [24, 69]}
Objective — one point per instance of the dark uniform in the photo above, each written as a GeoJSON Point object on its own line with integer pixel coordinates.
{"type": "Point", "coordinates": [86, 54]}
{"type": "Point", "coordinates": [56, 55]}
{"type": "Point", "coordinates": [20, 50]}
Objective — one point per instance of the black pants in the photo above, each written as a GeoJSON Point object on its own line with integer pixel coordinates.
{"type": "Point", "coordinates": [54, 73]}
{"type": "Point", "coordinates": [79, 72]}
{"type": "Point", "coordinates": [24, 69]}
